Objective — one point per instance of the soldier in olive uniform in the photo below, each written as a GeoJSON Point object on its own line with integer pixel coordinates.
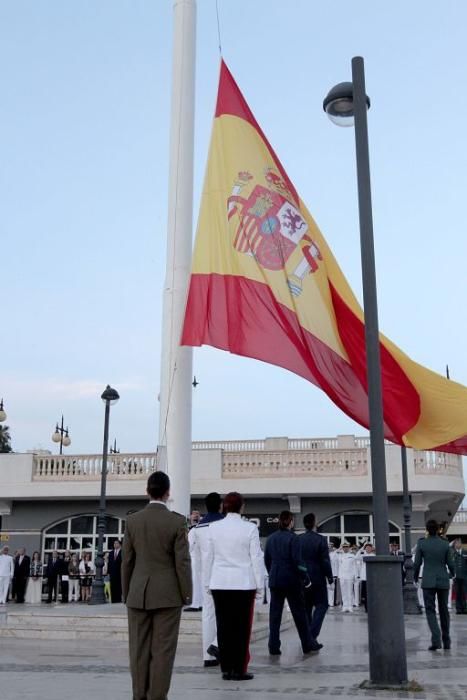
{"type": "Point", "coordinates": [436, 555]}
{"type": "Point", "coordinates": [156, 584]}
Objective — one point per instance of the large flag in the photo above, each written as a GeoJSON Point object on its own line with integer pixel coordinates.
{"type": "Point", "coordinates": [266, 285]}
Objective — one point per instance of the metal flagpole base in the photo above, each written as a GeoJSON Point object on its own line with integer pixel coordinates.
{"type": "Point", "coordinates": [97, 594]}
{"type": "Point", "coordinates": [386, 633]}
{"type": "Point", "coordinates": [409, 589]}
{"type": "Point", "coordinates": [410, 596]}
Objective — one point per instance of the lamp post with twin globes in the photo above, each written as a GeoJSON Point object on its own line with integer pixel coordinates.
{"type": "Point", "coordinates": [109, 397]}
{"type": "Point", "coordinates": [61, 435]}
{"type": "Point", "coordinates": [346, 105]}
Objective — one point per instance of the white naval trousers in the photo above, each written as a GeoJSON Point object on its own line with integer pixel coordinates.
{"type": "Point", "coordinates": [347, 593]}
{"type": "Point", "coordinates": [4, 585]}
{"type": "Point", "coordinates": [331, 591]}
{"type": "Point", "coordinates": [356, 591]}
{"type": "Point", "coordinates": [209, 629]}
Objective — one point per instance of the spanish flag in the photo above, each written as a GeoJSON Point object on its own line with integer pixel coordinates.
{"type": "Point", "coordinates": [266, 285]}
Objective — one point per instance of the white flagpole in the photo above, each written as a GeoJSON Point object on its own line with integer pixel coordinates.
{"type": "Point", "coordinates": [176, 361]}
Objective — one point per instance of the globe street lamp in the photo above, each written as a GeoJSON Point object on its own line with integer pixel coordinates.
{"type": "Point", "coordinates": [61, 435]}
{"type": "Point", "coordinates": [110, 396]}
{"type": "Point", "coordinates": [3, 415]}
{"type": "Point", "coordinates": [347, 103]}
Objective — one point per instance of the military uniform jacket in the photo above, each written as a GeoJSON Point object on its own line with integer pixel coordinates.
{"type": "Point", "coordinates": [460, 563]}
{"type": "Point", "coordinates": [436, 556]}
{"type": "Point", "coordinates": [156, 567]}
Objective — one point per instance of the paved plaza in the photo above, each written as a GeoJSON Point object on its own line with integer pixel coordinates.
{"type": "Point", "coordinates": [31, 669]}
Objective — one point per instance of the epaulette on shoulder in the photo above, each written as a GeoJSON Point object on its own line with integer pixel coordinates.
{"type": "Point", "coordinates": [203, 525]}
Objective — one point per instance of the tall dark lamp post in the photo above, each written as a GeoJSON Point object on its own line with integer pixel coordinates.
{"type": "Point", "coordinates": [61, 435]}
{"type": "Point", "coordinates": [409, 590]}
{"type": "Point", "coordinates": [110, 396]}
{"type": "Point", "coordinates": [347, 104]}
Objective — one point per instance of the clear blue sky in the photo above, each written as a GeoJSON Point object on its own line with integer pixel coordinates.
{"type": "Point", "coordinates": [84, 131]}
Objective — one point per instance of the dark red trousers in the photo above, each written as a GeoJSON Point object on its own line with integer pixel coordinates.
{"type": "Point", "coordinates": [234, 618]}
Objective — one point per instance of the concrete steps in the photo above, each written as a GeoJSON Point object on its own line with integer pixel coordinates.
{"type": "Point", "coordinates": [102, 622]}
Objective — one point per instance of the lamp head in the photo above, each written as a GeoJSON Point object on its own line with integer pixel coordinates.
{"type": "Point", "coordinates": [338, 104]}
{"type": "Point", "coordinates": [2, 412]}
{"type": "Point", "coordinates": [57, 436]}
{"type": "Point", "coordinates": [110, 395]}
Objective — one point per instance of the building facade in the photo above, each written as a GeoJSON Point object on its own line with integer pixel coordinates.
{"type": "Point", "coordinates": [51, 501]}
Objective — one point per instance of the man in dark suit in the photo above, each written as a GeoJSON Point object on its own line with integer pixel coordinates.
{"type": "Point", "coordinates": [438, 564]}
{"type": "Point", "coordinates": [315, 555]}
{"type": "Point", "coordinates": [156, 584]}
{"type": "Point", "coordinates": [52, 571]}
{"type": "Point", "coordinates": [21, 575]}
{"type": "Point", "coordinates": [115, 574]}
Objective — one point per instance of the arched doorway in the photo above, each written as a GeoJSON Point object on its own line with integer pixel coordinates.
{"type": "Point", "coordinates": [355, 527]}
{"type": "Point", "coordinates": [78, 533]}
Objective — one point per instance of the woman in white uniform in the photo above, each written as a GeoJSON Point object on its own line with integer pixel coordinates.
{"type": "Point", "coordinates": [233, 572]}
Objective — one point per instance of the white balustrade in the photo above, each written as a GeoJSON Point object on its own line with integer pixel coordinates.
{"type": "Point", "coordinates": [247, 459]}
{"type": "Point", "coordinates": [427, 462]}
{"type": "Point", "coordinates": [460, 516]}
{"type": "Point", "coordinates": [287, 464]}
{"type": "Point", "coordinates": [89, 467]}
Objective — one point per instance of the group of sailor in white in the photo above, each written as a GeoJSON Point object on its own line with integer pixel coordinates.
{"type": "Point", "coordinates": [349, 571]}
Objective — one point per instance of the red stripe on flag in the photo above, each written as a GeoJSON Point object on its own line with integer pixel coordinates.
{"type": "Point", "coordinates": [243, 316]}
{"type": "Point", "coordinates": [401, 402]}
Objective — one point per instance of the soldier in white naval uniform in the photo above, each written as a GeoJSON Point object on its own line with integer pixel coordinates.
{"type": "Point", "coordinates": [347, 576]}
{"type": "Point", "coordinates": [7, 568]}
{"type": "Point", "coordinates": [200, 533]}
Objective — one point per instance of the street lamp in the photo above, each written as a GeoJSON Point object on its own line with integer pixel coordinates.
{"type": "Point", "coordinates": [110, 396]}
{"type": "Point", "coordinates": [113, 449]}
{"type": "Point", "coordinates": [409, 590]}
{"type": "Point", "coordinates": [347, 103]}
{"type": "Point", "coordinates": [61, 435]}
{"type": "Point", "coordinates": [3, 415]}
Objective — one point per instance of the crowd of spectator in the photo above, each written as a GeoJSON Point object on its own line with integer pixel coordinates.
{"type": "Point", "coordinates": [63, 577]}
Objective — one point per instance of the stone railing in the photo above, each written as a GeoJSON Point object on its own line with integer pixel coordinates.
{"type": "Point", "coordinates": [460, 516]}
{"type": "Point", "coordinates": [89, 467]}
{"type": "Point", "coordinates": [287, 464]}
{"type": "Point", "coordinates": [439, 463]}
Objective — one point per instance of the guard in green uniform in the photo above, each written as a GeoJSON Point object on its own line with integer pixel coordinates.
{"type": "Point", "coordinates": [438, 567]}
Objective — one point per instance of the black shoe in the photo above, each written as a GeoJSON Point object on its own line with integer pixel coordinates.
{"type": "Point", "coordinates": [314, 648]}
{"type": "Point", "coordinates": [275, 653]}
{"type": "Point", "coordinates": [241, 676]}
{"type": "Point", "coordinates": [226, 676]}
{"type": "Point", "coordinates": [211, 662]}
{"type": "Point", "coordinates": [446, 647]}
{"type": "Point", "coordinates": [212, 650]}
{"type": "Point", "coordinates": [434, 647]}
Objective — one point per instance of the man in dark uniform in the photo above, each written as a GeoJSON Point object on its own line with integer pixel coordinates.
{"type": "Point", "coordinates": [287, 576]}
{"type": "Point", "coordinates": [460, 568]}
{"type": "Point", "coordinates": [114, 568]}
{"type": "Point", "coordinates": [52, 572]}
{"type": "Point", "coordinates": [315, 555]}
{"type": "Point", "coordinates": [438, 565]}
